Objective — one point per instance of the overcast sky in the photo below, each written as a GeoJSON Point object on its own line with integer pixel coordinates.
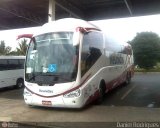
{"type": "Point", "coordinates": [124, 29]}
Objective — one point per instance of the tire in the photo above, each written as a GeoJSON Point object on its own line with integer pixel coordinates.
{"type": "Point", "coordinates": [30, 106]}
{"type": "Point", "coordinates": [20, 83]}
{"type": "Point", "coordinates": [102, 90]}
{"type": "Point", "coordinates": [128, 79]}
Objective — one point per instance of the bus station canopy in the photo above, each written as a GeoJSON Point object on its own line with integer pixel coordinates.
{"type": "Point", "coordinates": [29, 13]}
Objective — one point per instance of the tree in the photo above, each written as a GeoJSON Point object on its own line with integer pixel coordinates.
{"type": "Point", "coordinates": [3, 49]}
{"type": "Point", "coordinates": [13, 53]}
{"type": "Point", "coordinates": [22, 47]}
{"type": "Point", "coordinates": [146, 49]}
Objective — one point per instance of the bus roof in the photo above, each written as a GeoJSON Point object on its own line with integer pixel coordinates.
{"type": "Point", "coordinates": [12, 57]}
{"type": "Point", "coordinates": [64, 25]}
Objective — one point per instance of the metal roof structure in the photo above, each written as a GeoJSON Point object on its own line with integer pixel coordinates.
{"type": "Point", "coordinates": [29, 13]}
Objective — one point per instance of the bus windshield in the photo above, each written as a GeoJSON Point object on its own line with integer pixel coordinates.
{"type": "Point", "coordinates": [52, 58]}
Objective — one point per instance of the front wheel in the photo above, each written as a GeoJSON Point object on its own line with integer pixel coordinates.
{"type": "Point", "coordinates": [20, 83]}
{"type": "Point", "coordinates": [102, 90]}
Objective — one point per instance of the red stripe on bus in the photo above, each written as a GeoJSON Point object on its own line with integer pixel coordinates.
{"type": "Point", "coordinates": [109, 85]}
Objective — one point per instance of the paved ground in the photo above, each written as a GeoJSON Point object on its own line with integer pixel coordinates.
{"type": "Point", "coordinates": [144, 91]}
{"type": "Point", "coordinates": [140, 101]}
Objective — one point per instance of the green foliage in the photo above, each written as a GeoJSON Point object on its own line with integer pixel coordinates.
{"type": "Point", "coordinates": [13, 53]}
{"type": "Point", "coordinates": [146, 49]}
{"type": "Point", "coordinates": [3, 49]}
{"type": "Point", "coordinates": [157, 66]}
{"type": "Point", "coordinates": [22, 48]}
{"type": "Point", "coordinates": [147, 70]}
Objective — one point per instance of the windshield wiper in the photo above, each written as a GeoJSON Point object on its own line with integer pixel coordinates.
{"type": "Point", "coordinates": [33, 77]}
{"type": "Point", "coordinates": [56, 76]}
{"type": "Point", "coordinates": [59, 76]}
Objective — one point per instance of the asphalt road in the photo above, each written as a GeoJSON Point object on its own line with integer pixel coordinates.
{"type": "Point", "coordinates": [139, 101]}
{"type": "Point", "coordinates": [144, 91]}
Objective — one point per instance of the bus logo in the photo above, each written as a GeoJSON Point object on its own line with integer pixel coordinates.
{"type": "Point", "coordinates": [47, 91]}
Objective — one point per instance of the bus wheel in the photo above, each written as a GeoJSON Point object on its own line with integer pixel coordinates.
{"type": "Point", "coordinates": [30, 106]}
{"type": "Point", "coordinates": [102, 90]}
{"type": "Point", "coordinates": [128, 78]}
{"type": "Point", "coordinates": [20, 83]}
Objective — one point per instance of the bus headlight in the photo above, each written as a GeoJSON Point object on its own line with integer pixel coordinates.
{"type": "Point", "coordinates": [72, 94]}
{"type": "Point", "coordinates": [27, 93]}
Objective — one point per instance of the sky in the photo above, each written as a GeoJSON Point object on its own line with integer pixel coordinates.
{"type": "Point", "coordinates": [123, 29]}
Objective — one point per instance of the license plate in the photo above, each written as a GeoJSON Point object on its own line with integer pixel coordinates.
{"type": "Point", "coordinates": [47, 103]}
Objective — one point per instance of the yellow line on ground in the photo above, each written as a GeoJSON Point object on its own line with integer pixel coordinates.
{"type": "Point", "coordinates": [127, 92]}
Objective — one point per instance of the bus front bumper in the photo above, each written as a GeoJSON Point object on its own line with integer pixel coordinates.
{"type": "Point", "coordinates": [58, 101]}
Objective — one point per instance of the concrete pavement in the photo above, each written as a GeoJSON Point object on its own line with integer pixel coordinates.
{"type": "Point", "coordinates": [139, 101]}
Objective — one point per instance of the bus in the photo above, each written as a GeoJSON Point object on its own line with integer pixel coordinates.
{"type": "Point", "coordinates": [12, 71]}
{"type": "Point", "coordinates": [71, 63]}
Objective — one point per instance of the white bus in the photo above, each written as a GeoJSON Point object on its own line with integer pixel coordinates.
{"type": "Point", "coordinates": [70, 63]}
{"type": "Point", "coordinates": [12, 71]}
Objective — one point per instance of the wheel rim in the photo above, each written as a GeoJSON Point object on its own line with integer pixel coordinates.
{"type": "Point", "coordinates": [20, 84]}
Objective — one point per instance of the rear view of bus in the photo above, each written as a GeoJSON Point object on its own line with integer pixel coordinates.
{"type": "Point", "coordinates": [63, 71]}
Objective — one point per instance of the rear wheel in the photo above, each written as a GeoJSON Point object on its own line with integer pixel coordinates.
{"type": "Point", "coordinates": [128, 78]}
{"type": "Point", "coordinates": [20, 83]}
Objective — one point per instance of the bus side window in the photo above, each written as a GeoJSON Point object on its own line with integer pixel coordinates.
{"type": "Point", "coordinates": [92, 48]}
{"type": "Point", "coordinates": [3, 64]}
{"type": "Point", "coordinates": [112, 46]}
{"type": "Point", "coordinates": [21, 63]}
{"type": "Point", "coordinates": [13, 64]}
{"type": "Point", "coordinates": [85, 53]}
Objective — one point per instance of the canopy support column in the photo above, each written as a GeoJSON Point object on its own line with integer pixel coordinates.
{"type": "Point", "coordinates": [51, 11]}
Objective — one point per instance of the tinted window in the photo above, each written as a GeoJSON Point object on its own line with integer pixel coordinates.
{"type": "Point", "coordinates": [11, 64]}
{"type": "Point", "coordinates": [21, 63]}
{"type": "Point", "coordinates": [3, 64]}
{"type": "Point", "coordinates": [14, 62]}
{"type": "Point", "coordinates": [94, 40]}
{"type": "Point", "coordinates": [111, 45]}
{"type": "Point", "coordinates": [116, 59]}
{"type": "Point", "coordinates": [92, 47]}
